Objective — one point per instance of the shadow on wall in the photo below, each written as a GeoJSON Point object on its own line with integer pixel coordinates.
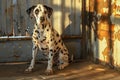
{"type": "Point", "coordinates": [68, 29]}
{"type": "Point", "coordinates": [73, 28]}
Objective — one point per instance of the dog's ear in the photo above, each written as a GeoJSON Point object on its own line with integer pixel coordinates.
{"type": "Point", "coordinates": [30, 10]}
{"type": "Point", "coordinates": [49, 10]}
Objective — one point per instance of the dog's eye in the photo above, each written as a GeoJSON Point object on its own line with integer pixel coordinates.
{"type": "Point", "coordinates": [36, 11]}
{"type": "Point", "coordinates": [45, 12]}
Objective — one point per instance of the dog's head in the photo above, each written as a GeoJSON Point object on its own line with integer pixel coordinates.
{"type": "Point", "coordinates": [40, 12]}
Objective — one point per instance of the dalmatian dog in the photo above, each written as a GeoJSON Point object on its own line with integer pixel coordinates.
{"type": "Point", "coordinates": [46, 38]}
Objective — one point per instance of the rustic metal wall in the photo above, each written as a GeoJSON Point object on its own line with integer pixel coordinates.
{"type": "Point", "coordinates": [104, 27]}
{"type": "Point", "coordinates": [15, 22]}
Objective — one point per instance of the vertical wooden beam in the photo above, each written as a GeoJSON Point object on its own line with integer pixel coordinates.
{"type": "Point", "coordinates": [110, 33]}
{"type": "Point", "coordinates": [22, 18]}
{"type": "Point", "coordinates": [83, 29]}
{"type": "Point", "coordinates": [95, 52]}
{"type": "Point", "coordinates": [0, 19]}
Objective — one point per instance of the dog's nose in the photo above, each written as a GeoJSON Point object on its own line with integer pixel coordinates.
{"type": "Point", "coordinates": [42, 18]}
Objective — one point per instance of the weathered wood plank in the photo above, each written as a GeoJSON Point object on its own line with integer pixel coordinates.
{"type": "Point", "coordinates": [67, 20]}
{"type": "Point", "coordinates": [22, 17]}
{"type": "Point", "coordinates": [9, 18]}
{"type": "Point", "coordinates": [0, 19]}
{"type": "Point", "coordinates": [3, 16]}
{"type": "Point", "coordinates": [16, 21]}
{"type": "Point", "coordinates": [78, 19]}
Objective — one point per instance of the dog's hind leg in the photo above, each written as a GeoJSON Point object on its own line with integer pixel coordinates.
{"type": "Point", "coordinates": [63, 59]}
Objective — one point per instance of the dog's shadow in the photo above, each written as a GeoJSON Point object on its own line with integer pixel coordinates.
{"type": "Point", "coordinates": [74, 25]}
{"type": "Point", "coordinates": [72, 29]}
{"type": "Point", "coordinates": [69, 27]}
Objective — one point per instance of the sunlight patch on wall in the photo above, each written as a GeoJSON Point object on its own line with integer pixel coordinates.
{"type": "Point", "coordinates": [118, 2]}
{"type": "Point", "coordinates": [116, 8]}
{"type": "Point", "coordinates": [57, 2]}
{"type": "Point", "coordinates": [116, 46]}
{"type": "Point", "coordinates": [102, 45]}
{"type": "Point", "coordinates": [57, 21]}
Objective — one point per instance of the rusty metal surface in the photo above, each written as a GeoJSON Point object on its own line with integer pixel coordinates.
{"type": "Point", "coordinates": [21, 50]}
{"type": "Point", "coordinates": [12, 51]}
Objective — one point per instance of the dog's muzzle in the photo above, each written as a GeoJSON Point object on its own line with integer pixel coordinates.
{"type": "Point", "coordinates": [42, 19]}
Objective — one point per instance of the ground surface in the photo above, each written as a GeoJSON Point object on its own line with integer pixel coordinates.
{"type": "Point", "coordinates": [82, 70]}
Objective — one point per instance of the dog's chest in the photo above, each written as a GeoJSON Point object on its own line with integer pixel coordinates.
{"type": "Point", "coordinates": [41, 37]}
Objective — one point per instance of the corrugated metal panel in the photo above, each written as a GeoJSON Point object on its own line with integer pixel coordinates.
{"type": "Point", "coordinates": [15, 22]}
{"type": "Point", "coordinates": [66, 16]}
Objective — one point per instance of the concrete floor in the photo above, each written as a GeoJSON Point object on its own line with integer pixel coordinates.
{"type": "Point", "coordinates": [82, 70]}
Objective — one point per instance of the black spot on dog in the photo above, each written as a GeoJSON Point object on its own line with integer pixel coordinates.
{"type": "Point", "coordinates": [51, 54]}
{"type": "Point", "coordinates": [52, 34]}
{"type": "Point", "coordinates": [55, 43]}
{"type": "Point", "coordinates": [65, 49]}
{"type": "Point", "coordinates": [35, 37]}
{"type": "Point", "coordinates": [49, 25]}
{"type": "Point", "coordinates": [43, 40]}
{"type": "Point", "coordinates": [54, 51]}
{"type": "Point", "coordinates": [57, 35]}
{"type": "Point", "coordinates": [65, 53]}
{"type": "Point", "coordinates": [59, 40]}
{"type": "Point", "coordinates": [51, 50]}
{"type": "Point", "coordinates": [34, 41]}
{"type": "Point", "coordinates": [48, 42]}
{"type": "Point", "coordinates": [51, 40]}
{"type": "Point", "coordinates": [36, 31]}
{"type": "Point", "coordinates": [44, 49]}
{"type": "Point", "coordinates": [47, 29]}
{"type": "Point", "coordinates": [57, 48]}
{"type": "Point", "coordinates": [43, 26]}
{"type": "Point", "coordinates": [34, 47]}
{"type": "Point", "coordinates": [61, 51]}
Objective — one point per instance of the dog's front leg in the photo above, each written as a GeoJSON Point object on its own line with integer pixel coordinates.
{"type": "Point", "coordinates": [50, 62]}
{"type": "Point", "coordinates": [34, 53]}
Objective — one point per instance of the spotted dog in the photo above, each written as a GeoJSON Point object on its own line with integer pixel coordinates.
{"type": "Point", "coordinates": [46, 39]}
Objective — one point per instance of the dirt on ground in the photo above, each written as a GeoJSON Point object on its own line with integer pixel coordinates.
{"type": "Point", "coordinates": [81, 70]}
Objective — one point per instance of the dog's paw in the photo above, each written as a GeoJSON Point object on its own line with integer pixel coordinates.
{"type": "Point", "coordinates": [62, 66]}
{"type": "Point", "coordinates": [28, 70]}
{"type": "Point", "coordinates": [49, 71]}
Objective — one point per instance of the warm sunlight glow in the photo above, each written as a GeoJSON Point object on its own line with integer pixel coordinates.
{"type": "Point", "coordinates": [102, 46]}
{"type": "Point", "coordinates": [57, 23]}
{"type": "Point", "coordinates": [105, 10]}
{"type": "Point", "coordinates": [57, 2]}
{"type": "Point", "coordinates": [116, 50]}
